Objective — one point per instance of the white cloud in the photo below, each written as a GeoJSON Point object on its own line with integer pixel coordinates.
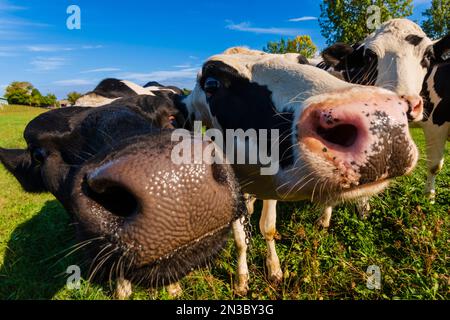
{"type": "Point", "coordinates": [247, 27]}
{"type": "Point", "coordinates": [87, 47]}
{"type": "Point", "coordinates": [6, 6]}
{"type": "Point", "coordinates": [10, 23]}
{"type": "Point", "coordinates": [183, 66]}
{"type": "Point", "coordinates": [74, 82]}
{"type": "Point", "coordinates": [48, 48]}
{"type": "Point", "coordinates": [306, 18]}
{"type": "Point", "coordinates": [101, 70]}
{"type": "Point", "coordinates": [47, 64]}
{"type": "Point", "coordinates": [163, 75]}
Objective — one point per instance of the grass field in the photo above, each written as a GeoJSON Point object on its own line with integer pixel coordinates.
{"type": "Point", "coordinates": [405, 236]}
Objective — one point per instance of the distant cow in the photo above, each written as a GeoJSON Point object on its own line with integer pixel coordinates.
{"type": "Point", "coordinates": [337, 141]}
{"type": "Point", "coordinates": [110, 90]}
{"type": "Point", "coordinates": [139, 216]}
{"type": "Point", "coordinates": [399, 56]}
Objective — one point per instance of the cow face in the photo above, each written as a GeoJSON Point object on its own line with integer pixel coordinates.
{"type": "Point", "coordinates": [396, 56]}
{"type": "Point", "coordinates": [136, 211]}
{"type": "Point", "coordinates": [336, 140]}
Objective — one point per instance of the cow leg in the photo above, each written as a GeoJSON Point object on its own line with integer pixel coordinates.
{"type": "Point", "coordinates": [123, 289]}
{"type": "Point", "coordinates": [267, 226]}
{"type": "Point", "coordinates": [241, 287]}
{"type": "Point", "coordinates": [363, 208]}
{"type": "Point", "coordinates": [174, 290]}
{"type": "Point", "coordinates": [325, 218]}
{"type": "Point", "coordinates": [435, 138]}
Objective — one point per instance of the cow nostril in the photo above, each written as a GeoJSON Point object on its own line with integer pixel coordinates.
{"type": "Point", "coordinates": [344, 135]}
{"type": "Point", "coordinates": [115, 199]}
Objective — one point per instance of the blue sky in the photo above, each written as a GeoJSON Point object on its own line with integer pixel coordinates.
{"type": "Point", "coordinates": [164, 41]}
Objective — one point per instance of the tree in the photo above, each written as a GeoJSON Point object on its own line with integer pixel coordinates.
{"type": "Point", "coordinates": [437, 19]}
{"type": "Point", "coordinates": [300, 44]}
{"type": "Point", "coordinates": [49, 100]}
{"type": "Point", "coordinates": [19, 93]}
{"type": "Point", "coordinates": [35, 98]}
{"type": "Point", "coordinates": [347, 20]}
{"type": "Point", "coordinates": [73, 97]}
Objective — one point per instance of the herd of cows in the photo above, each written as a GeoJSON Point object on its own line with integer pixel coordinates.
{"type": "Point", "coordinates": [343, 124]}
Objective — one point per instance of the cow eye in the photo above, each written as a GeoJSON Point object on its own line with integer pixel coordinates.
{"type": "Point", "coordinates": [39, 155]}
{"type": "Point", "coordinates": [211, 86]}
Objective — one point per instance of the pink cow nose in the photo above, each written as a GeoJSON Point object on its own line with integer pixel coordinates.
{"type": "Point", "coordinates": [415, 107]}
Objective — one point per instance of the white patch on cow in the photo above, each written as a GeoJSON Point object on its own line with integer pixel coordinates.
{"type": "Point", "coordinates": [93, 100]}
{"type": "Point", "coordinates": [138, 89]}
{"type": "Point", "coordinates": [154, 88]}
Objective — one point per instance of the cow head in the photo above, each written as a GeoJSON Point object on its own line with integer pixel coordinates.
{"type": "Point", "coordinates": [136, 212]}
{"type": "Point", "coordinates": [396, 56]}
{"type": "Point", "coordinates": [336, 140]}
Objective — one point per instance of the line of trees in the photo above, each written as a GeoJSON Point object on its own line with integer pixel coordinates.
{"type": "Point", "coordinates": [346, 21]}
{"type": "Point", "coordinates": [24, 93]}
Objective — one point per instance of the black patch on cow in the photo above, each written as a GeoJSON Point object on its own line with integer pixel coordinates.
{"type": "Point", "coordinates": [114, 88]}
{"type": "Point", "coordinates": [356, 63]}
{"type": "Point", "coordinates": [153, 84]}
{"type": "Point", "coordinates": [441, 81]}
{"type": "Point", "coordinates": [241, 104]}
{"type": "Point", "coordinates": [414, 39]}
{"type": "Point", "coordinates": [425, 94]}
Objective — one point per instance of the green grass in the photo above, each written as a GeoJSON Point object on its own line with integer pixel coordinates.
{"type": "Point", "coordinates": [405, 236]}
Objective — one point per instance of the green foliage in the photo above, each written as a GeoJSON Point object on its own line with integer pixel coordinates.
{"type": "Point", "coordinates": [19, 93]}
{"type": "Point", "coordinates": [24, 93]}
{"type": "Point", "coordinates": [346, 20]}
{"type": "Point", "coordinates": [300, 44]}
{"type": "Point", "coordinates": [437, 19]}
{"type": "Point", "coordinates": [73, 97]}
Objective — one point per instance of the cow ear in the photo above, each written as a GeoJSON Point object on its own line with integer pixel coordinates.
{"type": "Point", "coordinates": [19, 163]}
{"type": "Point", "coordinates": [441, 47]}
{"type": "Point", "coordinates": [335, 54]}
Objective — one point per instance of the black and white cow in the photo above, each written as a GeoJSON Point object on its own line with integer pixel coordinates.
{"type": "Point", "coordinates": [110, 90]}
{"type": "Point", "coordinates": [333, 141]}
{"type": "Point", "coordinates": [399, 56]}
{"type": "Point", "coordinates": [436, 122]}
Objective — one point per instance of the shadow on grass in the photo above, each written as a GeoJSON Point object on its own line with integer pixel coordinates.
{"type": "Point", "coordinates": [33, 267]}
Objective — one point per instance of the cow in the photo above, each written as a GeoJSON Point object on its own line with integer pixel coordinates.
{"type": "Point", "coordinates": [399, 56]}
{"type": "Point", "coordinates": [436, 122]}
{"type": "Point", "coordinates": [110, 90]}
{"type": "Point", "coordinates": [338, 141]}
{"type": "Point", "coordinates": [139, 216]}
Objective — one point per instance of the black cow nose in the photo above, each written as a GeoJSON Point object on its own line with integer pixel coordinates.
{"type": "Point", "coordinates": [110, 189]}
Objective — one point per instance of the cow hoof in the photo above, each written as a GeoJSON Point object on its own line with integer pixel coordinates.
{"type": "Point", "coordinates": [363, 211]}
{"type": "Point", "coordinates": [174, 290]}
{"type": "Point", "coordinates": [276, 279]}
{"type": "Point", "coordinates": [123, 289]}
{"type": "Point", "coordinates": [432, 197]}
{"type": "Point", "coordinates": [241, 287]}
{"type": "Point", "coordinates": [322, 223]}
